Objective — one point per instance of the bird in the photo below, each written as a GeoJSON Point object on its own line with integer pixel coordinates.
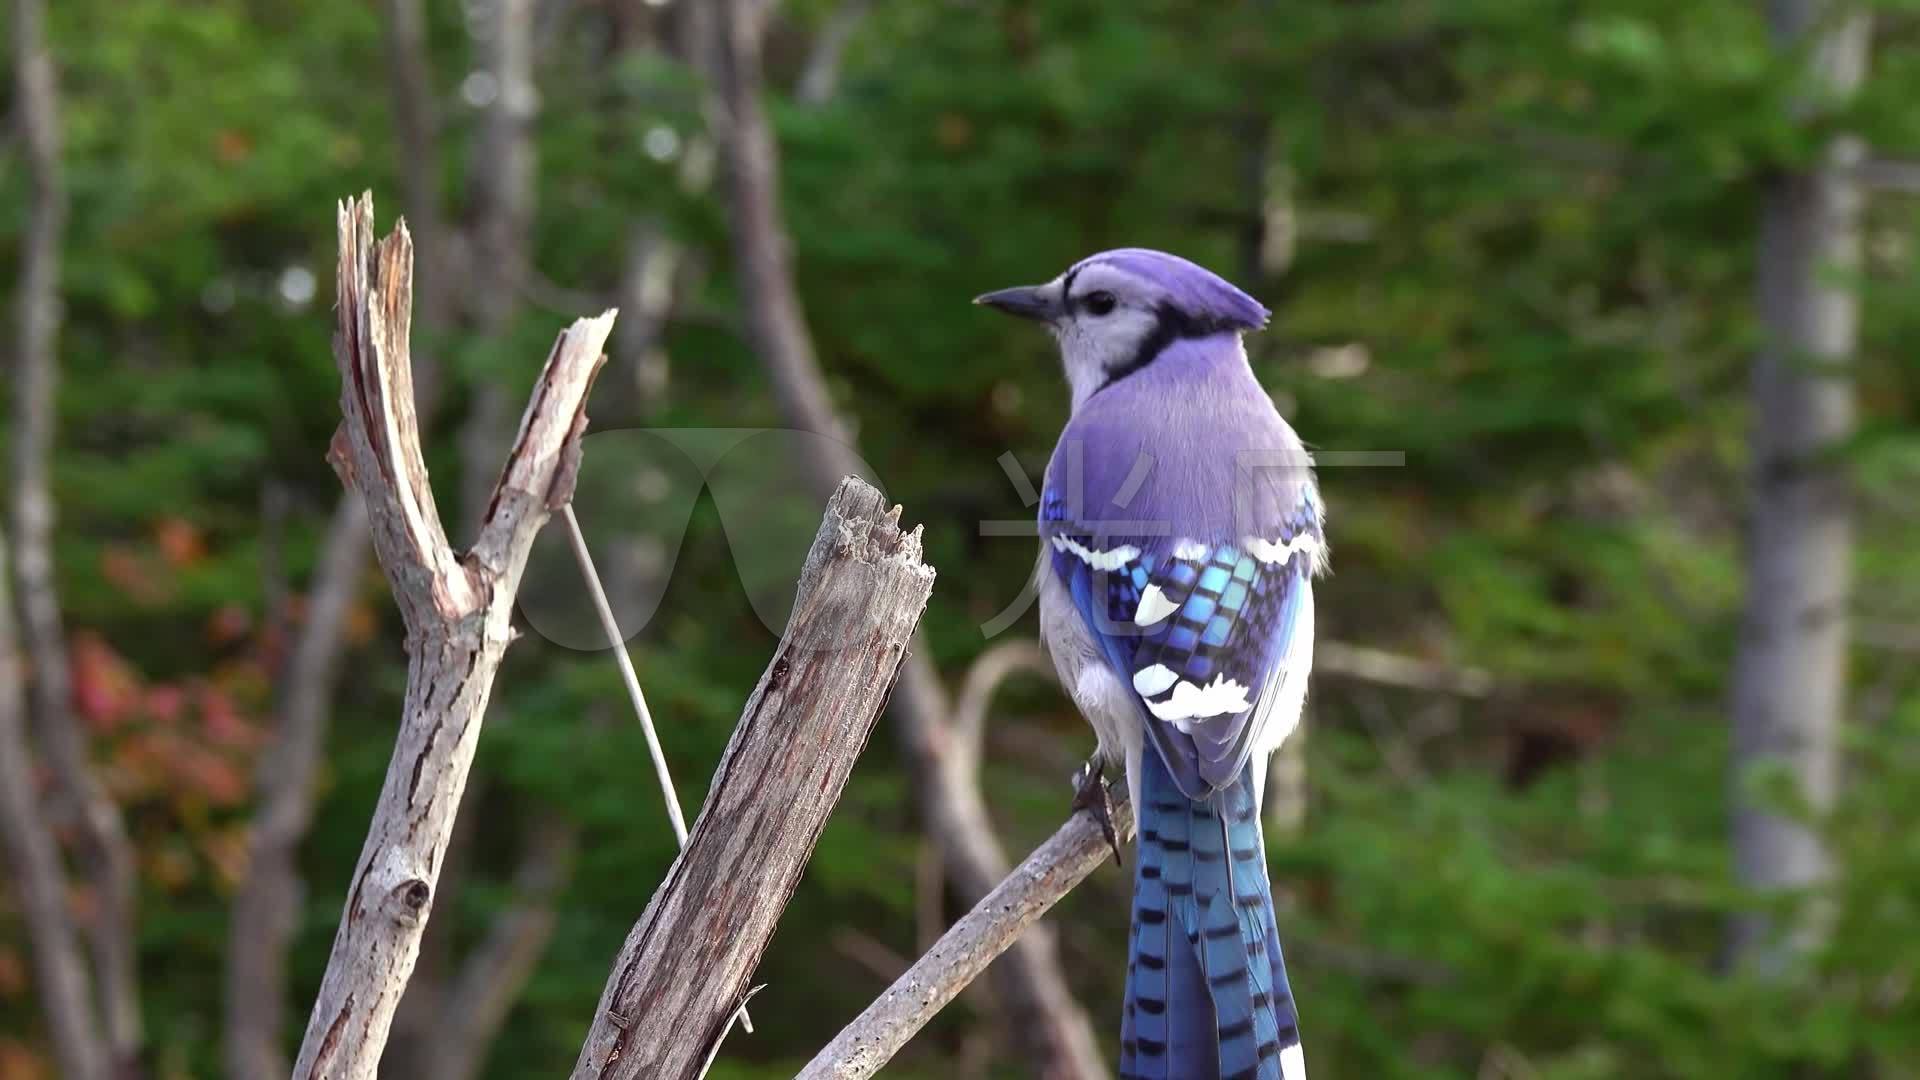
{"type": "Point", "coordinates": [1181, 531]}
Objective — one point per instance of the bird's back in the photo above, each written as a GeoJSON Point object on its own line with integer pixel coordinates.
{"type": "Point", "coordinates": [1191, 445]}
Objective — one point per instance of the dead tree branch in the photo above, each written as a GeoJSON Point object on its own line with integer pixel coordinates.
{"type": "Point", "coordinates": [284, 782]}
{"type": "Point", "coordinates": [1074, 851]}
{"type": "Point", "coordinates": [683, 972]}
{"type": "Point", "coordinates": [457, 609]}
{"type": "Point", "coordinates": [38, 882]}
{"type": "Point", "coordinates": [1056, 1037]}
{"type": "Point", "coordinates": [106, 857]}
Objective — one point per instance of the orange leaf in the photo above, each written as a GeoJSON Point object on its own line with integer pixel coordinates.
{"type": "Point", "coordinates": [13, 977]}
{"type": "Point", "coordinates": [179, 541]}
{"type": "Point", "coordinates": [233, 146]}
{"type": "Point", "coordinates": [362, 624]}
{"type": "Point", "coordinates": [19, 1062]}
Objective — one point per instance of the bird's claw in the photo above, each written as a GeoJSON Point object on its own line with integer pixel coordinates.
{"type": "Point", "coordinates": [1090, 794]}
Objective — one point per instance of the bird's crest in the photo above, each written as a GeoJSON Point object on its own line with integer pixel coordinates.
{"type": "Point", "coordinates": [1199, 293]}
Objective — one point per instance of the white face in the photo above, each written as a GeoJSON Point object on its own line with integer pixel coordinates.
{"type": "Point", "coordinates": [1110, 315]}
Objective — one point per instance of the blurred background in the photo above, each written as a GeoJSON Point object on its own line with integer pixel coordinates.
{"type": "Point", "coordinates": [1610, 767]}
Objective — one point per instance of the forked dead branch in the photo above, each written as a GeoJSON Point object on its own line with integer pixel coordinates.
{"type": "Point", "coordinates": [457, 608]}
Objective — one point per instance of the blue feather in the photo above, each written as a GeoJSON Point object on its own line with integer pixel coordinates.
{"type": "Point", "coordinates": [1207, 994]}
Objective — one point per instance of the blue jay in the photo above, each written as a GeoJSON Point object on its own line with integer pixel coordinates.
{"type": "Point", "coordinates": [1180, 535]}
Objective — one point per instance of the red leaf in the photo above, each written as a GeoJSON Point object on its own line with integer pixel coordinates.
{"type": "Point", "coordinates": [225, 725]}
{"type": "Point", "coordinates": [105, 687]}
{"type": "Point", "coordinates": [165, 703]}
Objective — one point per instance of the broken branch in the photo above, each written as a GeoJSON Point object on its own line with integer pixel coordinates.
{"type": "Point", "coordinates": [457, 609]}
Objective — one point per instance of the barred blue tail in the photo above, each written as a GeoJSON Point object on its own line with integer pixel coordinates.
{"type": "Point", "coordinates": [1207, 995]}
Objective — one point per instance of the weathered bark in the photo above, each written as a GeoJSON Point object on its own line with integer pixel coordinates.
{"type": "Point", "coordinates": [457, 609]}
{"type": "Point", "coordinates": [440, 250]}
{"type": "Point", "coordinates": [105, 856]}
{"type": "Point", "coordinates": [1789, 677]}
{"type": "Point", "coordinates": [267, 905]}
{"type": "Point", "coordinates": [684, 969]}
{"type": "Point", "coordinates": [965, 950]}
{"type": "Point", "coordinates": [37, 881]}
{"type": "Point", "coordinates": [1055, 1034]}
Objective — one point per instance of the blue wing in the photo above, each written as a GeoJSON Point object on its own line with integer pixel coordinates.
{"type": "Point", "coordinates": [1213, 637]}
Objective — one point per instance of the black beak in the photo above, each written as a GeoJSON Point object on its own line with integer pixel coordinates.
{"type": "Point", "coordinates": [1026, 301]}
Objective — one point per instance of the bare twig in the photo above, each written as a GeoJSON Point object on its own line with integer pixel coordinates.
{"type": "Point", "coordinates": [964, 951]}
{"type": "Point", "coordinates": [631, 679]}
{"type": "Point", "coordinates": [578, 541]}
{"type": "Point", "coordinates": [37, 882]}
{"type": "Point", "coordinates": [457, 609]}
{"type": "Point", "coordinates": [1055, 1035]}
{"type": "Point", "coordinates": [1367, 664]}
{"type": "Point", "coordinates": [860, 596]}
{"type": "Point", "coordinates": [106, 857]}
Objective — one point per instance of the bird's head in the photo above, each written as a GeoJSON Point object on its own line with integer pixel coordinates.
{"type": "Point", "coordinates": [1115, 313]}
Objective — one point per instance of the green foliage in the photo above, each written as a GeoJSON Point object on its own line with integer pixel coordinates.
{"type": "Point", "coordinates": [1512, 240]}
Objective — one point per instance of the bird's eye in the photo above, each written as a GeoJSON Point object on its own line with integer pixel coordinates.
{"type": "Point", "coordinates": [1100, 303]}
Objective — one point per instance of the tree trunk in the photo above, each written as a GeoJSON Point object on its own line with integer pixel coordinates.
{"type": "Point", "coordinates": [1055, 1035]}
{"type": "Point", "coordinates": [1790, 674]}
{"type": "Point", "coordinates": [38, 884]}
{"type": "Point", "coordinates": [106, 857]}
{"type": "Point", "coordinates": [502, 183]}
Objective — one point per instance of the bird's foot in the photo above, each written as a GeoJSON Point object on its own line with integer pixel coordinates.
{"type": "Point", "coordinates": [1090, 793]}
